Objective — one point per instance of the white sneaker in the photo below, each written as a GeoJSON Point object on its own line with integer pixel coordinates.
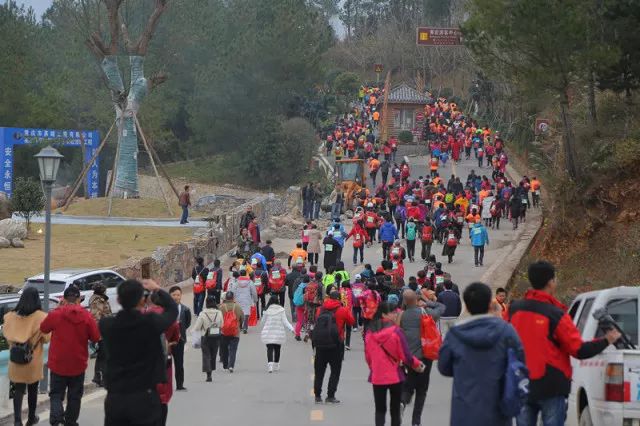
{"type": "Point", "coordinates": [270, 367]}
{"type": "Point", "coordinates": [276, 366]}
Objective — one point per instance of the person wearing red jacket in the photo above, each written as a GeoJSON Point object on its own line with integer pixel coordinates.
{"type": "Point", "coordinates": [72, 329]}
{"type": "Point", "coordinates": [549, 338]}
{"type": "Point", "coordinates": [360, 237]}
{"type": "Point", "coordinates": [371, 223]}
{"type": "Point", "coordinates": [331, 356]}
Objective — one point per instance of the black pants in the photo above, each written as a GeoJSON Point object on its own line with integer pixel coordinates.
{"type": "Point", "coordinates": [98, 371]}
{"type": "Point", "coordinates": [164, 413]}
{"type": "Point", "coordinates": [273, 352]}
{"type": "Point", "coordinates": [132, 409]}
{"type": "Point", "coordinates": [209, 346]}
{"type": "Point", "coordinates": [448, 251]}
{"type": "Point", "coordinates": [355, 254]}
{"type": "Point", "coordinates": [372, 234]}
{"type": "Point", "coordinates": [347, 335]}
{"type": "Point", "coordinates": [400, 226]}
{"type": "Point", "coordinates": [418, 383]}
{"type": "Point", "coordinates": [496, 221]}
{"type": "Point", "coordinates": [386, 245]}
{"type": "Point", "coordinates": [178, 363]}
{"type": "Point", "coordinates": [32, 399]}
{"type": "Point", "coordinates": [261, 301]}
{"type": "Point", "coordinates": [73, 386]}
{"type": "Point", "coordinates": [411, 249]}
{"type": "Point", "coordinates": [426, 250]}
{"type": "Point", "coordinates": [380, 399]}
{"type": "Point", "coordinates": [313, 258]}
{"type": "Point", "coordinates": [373, 177]}
{"type": "Point", "coordinates": [281, 297]}
{"type": "Point", "coordinates": [478, 254]}
{"type": "Point", "coordinates": [333, 358]}
{"type": "Point", "coordinates": [384, 177]}
{"type": "Point", "coordinates": [228, 350]}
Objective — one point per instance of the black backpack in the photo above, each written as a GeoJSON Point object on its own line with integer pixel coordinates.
{"type": "Point", "coordinates": [21, 353]}
{"type": "Point", "coordinates": [325, 333]}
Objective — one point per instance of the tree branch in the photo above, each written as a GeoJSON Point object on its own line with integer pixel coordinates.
{"type": "Point", "coordinates": [113, 7]}
{"type": "Point", "coordinates": [157, 79]}
{"type": "Point", "coordinates": [96, 45]}
{"type": "Point", "coordinates": [145, 38]}
{"type": "Point", "coordinates": [125, 36]}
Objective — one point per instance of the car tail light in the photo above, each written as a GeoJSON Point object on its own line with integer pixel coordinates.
{"type": "Point", "coordinates": [614, 383]}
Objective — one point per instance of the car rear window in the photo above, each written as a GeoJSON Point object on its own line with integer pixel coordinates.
{"type": "Point", "coordinates": [54, 286]}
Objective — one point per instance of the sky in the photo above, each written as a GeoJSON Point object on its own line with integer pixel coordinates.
{"type": "Point", "coordinates": [39, 6]}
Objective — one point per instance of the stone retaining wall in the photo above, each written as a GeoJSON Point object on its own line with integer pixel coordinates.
{"type": "Point", "coordinates": [172, 264]}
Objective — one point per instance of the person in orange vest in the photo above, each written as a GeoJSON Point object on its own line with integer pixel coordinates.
{"type": "Point", "coordinates": [535, 191]}
{"type": "Point", "coordinates": [376, 118]}
{"type": "Point", "coordinates": [433, 166]}
{"type": "Point", "coordinates": [298, 255]}
{"type": "Point", "coordinates": [360, 237]}
{"type": "Point", "coordinates": [374, 166]}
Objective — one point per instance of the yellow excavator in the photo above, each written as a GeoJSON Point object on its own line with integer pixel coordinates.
{"type": "Point", "coordinates": [351, 177]}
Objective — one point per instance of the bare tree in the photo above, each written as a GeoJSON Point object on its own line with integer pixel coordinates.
{"type": "Point", "coordinates": [126, 101]}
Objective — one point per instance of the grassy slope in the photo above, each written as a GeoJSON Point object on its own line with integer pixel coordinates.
{"type": "Point", "coordinates": [84, 247]}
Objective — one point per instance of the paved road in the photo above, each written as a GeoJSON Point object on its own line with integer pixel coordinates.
{"type": "Point", "coordinates": [59, 219]}
{"type": "Point", "coordinates": [250, 396]}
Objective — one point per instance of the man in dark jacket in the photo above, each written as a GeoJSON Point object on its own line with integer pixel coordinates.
{"type": "Point", "coordinates": [136, 359]}
{"type": "Point", "coordinates": [290, 282]}
{"type": "Point", "coordinates": [184, 319]}
{"type": "Point", "coordinates": [410, 322]}
{"type": "Point", "coordinates": [537, 317]}
{"type": "Point", "coordinates": [331, 251]}
{"type": "Point", "coordinates": [246, 218]}
{"type": "Point", "coordinates": [72, 328]}
{"type": "Point", "coordinates": [333, 355]}
{"type": "Point", "coordinates": [474, 353]}
{"type": "Point", "coordinates": [453, 306]}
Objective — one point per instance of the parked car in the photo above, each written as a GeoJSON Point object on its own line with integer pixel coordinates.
{"type": "Point", "coordinates": [606, 388]}
{"type": "Point", "coordinates": [9, 301]}
{"type": "Point", "coordinates": [85, 279]}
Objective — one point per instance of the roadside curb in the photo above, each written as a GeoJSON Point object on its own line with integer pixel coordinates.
{"type": "Point", "coordinates": [501, 272]}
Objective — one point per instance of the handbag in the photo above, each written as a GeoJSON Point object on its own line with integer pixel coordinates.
{"type": "Point", "coordinates": [21, 353]}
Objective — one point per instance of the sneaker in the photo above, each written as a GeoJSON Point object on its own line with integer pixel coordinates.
{"type": "Point", "coordinates": [244, 331]}
{"type": "Point", "coordinates": [298, 338]}
{"type": "Point", "coordinates": [270, 367]}
{"type": "Point", "coordinates": [355, 329]}
{"type": "Point", "coordinates": [348, 348]}
{"type": "Point", "coordinates": [182, 389]}
{"type": "Point", "coordinates": [331, 400]}
{"type": "Point", "coordinates": [276, 366]}
{"type": "Point", "coordinates": [209, 379]}
{"type": "Point", "coordinates": [231, 370]}
{"type": "Point", "coordinates": [318, 400]}
{"type": "Point", "coordinates": [33, 421]}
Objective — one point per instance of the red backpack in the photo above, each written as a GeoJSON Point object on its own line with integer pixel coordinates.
{"type": "Point", "coordinates": [370, 305]}
{"type": "Point", "coordinates": [198, 284]}
{"type": "Point", "coordinates": [230, 323]}
{"type": "Point", "coordinates": [311, 292]}
{"type": "Point", "coordinates": [452, 241]}
{"type": "Point", "coordinates": [427, 234]}
{"type": "Point", "coordinates": [276, 280]}
{"type": "Point", "coordinates": [212, 280]}
{"type": "Point", "coordinates": [430, 337]}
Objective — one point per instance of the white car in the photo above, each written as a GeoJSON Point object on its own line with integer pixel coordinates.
{"type": "Point", "coordinates": [9, 301]}
{"type": "Point", "coordinates": [605, 390]}
{"type": "Point", "coordinates": [84, 279]}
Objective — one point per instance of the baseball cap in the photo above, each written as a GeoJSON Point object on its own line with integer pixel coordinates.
{"type": "Point", "coordinates": [71, 292]}
{"type": "Point", "coordinates": [358, 277]}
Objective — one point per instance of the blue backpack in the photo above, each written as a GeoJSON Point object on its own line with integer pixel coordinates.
{"type": "Point", "coordinates": [298, 295]}
{"type": "Point", "coordinates": [515, 389]}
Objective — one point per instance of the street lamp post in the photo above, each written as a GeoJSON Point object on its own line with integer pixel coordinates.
{"type": "Point", "coordinates": [48, 163]}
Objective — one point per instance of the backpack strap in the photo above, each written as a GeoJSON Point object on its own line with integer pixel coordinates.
{"type": "Point", "coordinates": [553, 313]}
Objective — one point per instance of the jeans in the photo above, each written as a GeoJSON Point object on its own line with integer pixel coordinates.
{"type": "Point", "coordinates": [418, 382]}
{"type": "Point", "coordinates": [552, 410]}
{"type": "Point", "coordinates": [228, 350]}
{"type": "Point", "coordinates": [185, 214]}
{"type": "Point", "coordinates": [316, 209]}
{"type": "Point", "coordinates": [198, 301]}
{"type": "Point", "coordinates": [132, 409]}
{"type": "Point", "coordinates": [426, 250]}
{"type": "Point", "coordinates": [178, 362]}
{"type": "Point", "coordinates": [209, 346]}
{"type": "Point", "coordinates": [386, 245]}
{"type": "Point", "coordinates": [373, 177]}
{"type": "Point", "coordinates": [357, 316]}
{"type": "Point", "coordinates": [446, 323]}
{"type": "Point", "coordinates": [273, 353]}
{"type": "Point", "coordinates": [58, 387]}
{"type": "Point", "coordinates": [380, 400]}
{"type": "Point", "coordinates": [32, 400]}
{"type": "Point", "coordinates": [336, 209]}
{"type": "Point", "coordinates": [300, 319]}
{"type": "Point", "coordinates": [355, 254]}
{"type": "Point", "coordinates": [478, 254]}
{"type": "Point", "coordinates": [98, 370]}
{"type": "Point", "coordinates": [333, 358]}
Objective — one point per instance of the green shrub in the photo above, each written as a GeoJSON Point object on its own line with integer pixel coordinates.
{"type": "Point", "coordinates": [405, 136]}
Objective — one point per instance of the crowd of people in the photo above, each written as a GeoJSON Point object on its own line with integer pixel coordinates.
{"type": "Point", "coordinates": [401, 317]}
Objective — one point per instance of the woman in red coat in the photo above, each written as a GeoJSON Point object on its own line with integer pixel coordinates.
{"type": "Point", "coordinates": [455, 151]}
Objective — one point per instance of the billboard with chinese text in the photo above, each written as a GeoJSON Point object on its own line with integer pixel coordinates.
{"type": "Point", "coordinates": [14, 136]}
{"type": "Point", "coordinates": [428, 36]}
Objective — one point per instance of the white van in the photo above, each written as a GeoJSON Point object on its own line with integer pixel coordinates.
{"type": "Point", "coordinates": [605, 390]}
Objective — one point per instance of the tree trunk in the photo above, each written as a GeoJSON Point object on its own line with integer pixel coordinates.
{"type": "Point", "coordinates": [568, 138]}
{"type": "Point", "coordinates": [592, 100]}
{"type": "Point", "coordinates": [126, 179]}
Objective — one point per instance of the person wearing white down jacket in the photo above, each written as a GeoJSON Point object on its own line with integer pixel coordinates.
{"type": "Point", "coordinates": [275, 324]}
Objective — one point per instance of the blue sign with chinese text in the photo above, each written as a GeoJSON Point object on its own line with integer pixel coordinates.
{"type": "Point", "coordinates": [12, 136]}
